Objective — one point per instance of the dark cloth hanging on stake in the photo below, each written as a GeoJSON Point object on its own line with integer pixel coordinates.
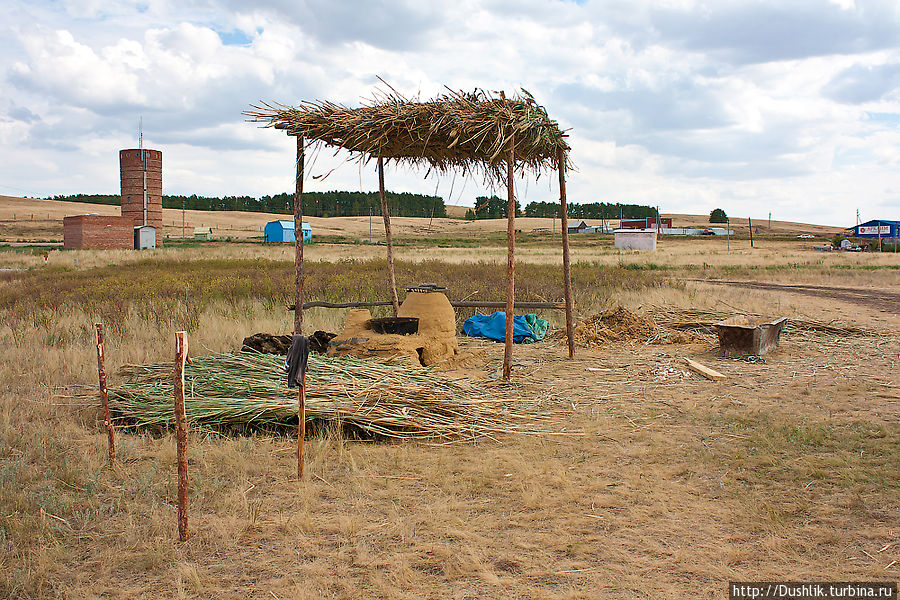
{"type": "Point", "coordinates": [296, 361]}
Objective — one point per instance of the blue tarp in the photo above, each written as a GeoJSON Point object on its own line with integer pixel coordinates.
{"type": "Point", "coordinates": [526, 328]}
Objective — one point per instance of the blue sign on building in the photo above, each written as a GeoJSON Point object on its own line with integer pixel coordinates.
{"type": "Point", "coordinates": [877, 228]}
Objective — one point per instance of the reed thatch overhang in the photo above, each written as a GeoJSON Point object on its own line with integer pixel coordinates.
{"type": "Point", "coordinates": [458, 130]}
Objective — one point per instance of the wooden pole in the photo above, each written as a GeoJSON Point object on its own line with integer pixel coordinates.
{"type": "Point", "coordinates": [104, 397]}
{"type": "Point", "coordinates": [387, 235]}
{"type": "Point", "coordinates": [301, 426]}
{"type": "Point", "coordinates": [750, 225]}
{"type": "Point", "coordinates": [510, 258]}
{"type": "Point", "coordinates": [181, 349]}
{"type": "Point", "coordinates": [298, 305]}
{"type": "Point", "coordinates": [298, 239]}
{"type": "Point", "coordinates": [567, 271]}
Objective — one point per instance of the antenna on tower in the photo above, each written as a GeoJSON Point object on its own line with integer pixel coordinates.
{"type": "Point", "coordinates": [143, 163]}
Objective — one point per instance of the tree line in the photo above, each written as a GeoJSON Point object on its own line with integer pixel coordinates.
{"type": "Point", "coordinates": [315, 204]}
{"type": "Point", "coordinates": [495, 208]}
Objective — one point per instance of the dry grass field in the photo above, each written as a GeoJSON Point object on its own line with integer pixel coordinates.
{"type": "Point", "coordinates": [36, 219]}
{"type": "Point", "coordinates": [660, 484]}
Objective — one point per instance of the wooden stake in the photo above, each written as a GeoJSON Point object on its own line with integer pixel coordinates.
{"type": "Point", "coordinates": [104, 397]}
{"type": "Point", "coordinates": [387, 235]}
{"type": "Point", "coordinates": [301, 425]}
{"type": "Point", "coordinates": [298, 239]}
{"type": "Point", "coordinates": [510, 259]}
{"type": "Point", "coordinates": [181, 350]}
{"type": "Point", "coordinates": [567, 271]}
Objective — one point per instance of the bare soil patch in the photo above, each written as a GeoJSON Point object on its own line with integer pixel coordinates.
{"type": "Point", "coordinates": [882, 300]}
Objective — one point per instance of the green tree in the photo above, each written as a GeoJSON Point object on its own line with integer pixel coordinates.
{"type": "Point", "coordinates": [718, 216]}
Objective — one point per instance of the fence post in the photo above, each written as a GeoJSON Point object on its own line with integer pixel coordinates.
{"type": "Point", "coordinates": [104, 396]}
{"type": "Point", "coordinates": [181, 346]}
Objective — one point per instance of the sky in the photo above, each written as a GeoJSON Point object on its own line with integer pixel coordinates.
{"type": "Point", "coordinates": [788, 107]}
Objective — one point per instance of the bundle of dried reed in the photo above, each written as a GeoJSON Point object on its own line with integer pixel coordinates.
{"type": "Point", "coordinates": [247, 388]}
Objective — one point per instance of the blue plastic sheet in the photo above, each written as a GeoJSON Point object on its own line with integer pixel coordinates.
{"type": "Point", "coordinates": [493, 326]}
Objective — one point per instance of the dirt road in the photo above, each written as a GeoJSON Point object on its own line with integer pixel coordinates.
{"type": "Point", "coordinates": [883, 300]}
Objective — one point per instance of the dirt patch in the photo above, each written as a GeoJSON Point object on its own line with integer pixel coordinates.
{"type": "Point", "coordinates": [881, 300]}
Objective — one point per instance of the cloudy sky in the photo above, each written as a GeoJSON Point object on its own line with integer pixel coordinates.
{"type": "Point", "coordinates": [788, 106]}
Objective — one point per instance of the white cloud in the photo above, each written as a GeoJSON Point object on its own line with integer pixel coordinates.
{"type": "Point", "coordinates": [753, 106]}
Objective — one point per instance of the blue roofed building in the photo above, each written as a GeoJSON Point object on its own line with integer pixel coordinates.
{"type": "Point", "coordinates": [876, 228]}
{"type": "Point", "coordinates": [281, 231]}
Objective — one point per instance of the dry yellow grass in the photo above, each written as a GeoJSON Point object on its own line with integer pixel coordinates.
{"type": "Point", "coordinates": [787, 470]}
{"type": "Point", "coordinates": [30, 218]}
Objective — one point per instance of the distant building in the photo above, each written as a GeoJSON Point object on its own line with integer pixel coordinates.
{"type": "Point", "coordinates": [578, 227]}
{"type": "Point", "coordinates": [635, 239]}
{"type": "Point", "coordinates": [278, 232]}
{"type": "Point", "coordinates": [647, 223]}
{"type": "Point", "coordinates": [140, 173]}
{"type": "Point", "coordinates": [876, 228]}
{"type": "Point", "coordinates": [95, 231]}
{"type": "Point", "coordinates": [202, 234]}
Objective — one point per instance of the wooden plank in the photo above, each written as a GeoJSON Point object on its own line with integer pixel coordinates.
{"type": "Point", "coordinates": [704, 370]}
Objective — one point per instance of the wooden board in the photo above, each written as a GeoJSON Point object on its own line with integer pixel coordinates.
{"type": "Point", "coordinates": [704, 370]}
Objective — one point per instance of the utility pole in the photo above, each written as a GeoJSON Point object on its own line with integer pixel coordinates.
{"type": "Point", "coordinates": [770, 221]}
{"type": "Point", "coordinates": [750, 224]}
{"type": "Point", "coordinates": [879, 235]}
{"type": "Point", "coordinates": [182, 217]}
{"type": "Point", "coordinates": [728, 232]}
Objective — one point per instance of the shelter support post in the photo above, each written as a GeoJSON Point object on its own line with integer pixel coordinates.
{"type": "Point", "coordinates": [510, 259]}
{"type": "Point", "coordinates": [387, 236]}
{"type": "Point", "coordinates": [298, 298]}
{"type": "Point", "coordinates": [298, 239]}
{"type": "Point", "coordinates": [567, 271]}
{"type": "Point", "coordinates": [181, 350]}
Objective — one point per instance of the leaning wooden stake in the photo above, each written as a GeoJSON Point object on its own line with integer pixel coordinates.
{"type": "Point", "coordinates": [567, 271]}
{"type": "Point", "coordinates": [298, 239]}
{"type": "Point", "coordinates": [387, 236]}
{"type": "Point", "coordinates": [104, 397]}
{"type": "Point", "coordinates": [510, 259]}
{"type": "Point", "coordinates": [181, 349]}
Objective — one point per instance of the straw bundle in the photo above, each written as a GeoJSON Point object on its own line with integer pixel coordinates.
{"type": "Point", "coordinates": [247, 388]}
{"type": "Point", "coordinates": [470, 131]}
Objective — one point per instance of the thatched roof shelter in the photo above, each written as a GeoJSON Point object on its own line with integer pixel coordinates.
{"type": "Point", "coordinates": [458, 130]}
{"type": "Point", "coordinates": [472, 132]}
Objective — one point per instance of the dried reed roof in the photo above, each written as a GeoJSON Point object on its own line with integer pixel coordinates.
{"type": "Point", "coordinates": [459, 130]}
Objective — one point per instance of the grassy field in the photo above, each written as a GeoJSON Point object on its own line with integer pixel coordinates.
{"type": "Point", "coordinates": [665, 484]}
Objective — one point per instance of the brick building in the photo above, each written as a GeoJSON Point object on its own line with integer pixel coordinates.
{"type": "Point", "coordinates": [95, 231]}
{"type": "Point", "coordinates": [137, 171]}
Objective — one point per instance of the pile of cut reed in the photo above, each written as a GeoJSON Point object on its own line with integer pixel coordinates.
{"type": "Point", "coordinates": [247, 388]}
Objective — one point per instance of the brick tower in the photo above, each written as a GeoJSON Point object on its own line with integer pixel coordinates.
{"type": "Point", "coordinates": [139, 173]}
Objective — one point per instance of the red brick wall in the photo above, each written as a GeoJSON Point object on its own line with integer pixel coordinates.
{"type": "Point", "coordinates": [132, 185]}
{"type": "Point", "coordinates": [94, 231]}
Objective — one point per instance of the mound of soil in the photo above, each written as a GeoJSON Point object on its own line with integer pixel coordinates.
{"type": "Point", "coordinates": [618, 324]}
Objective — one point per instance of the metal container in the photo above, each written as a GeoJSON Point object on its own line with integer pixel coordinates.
{"type": "Point", "coordinates": [742, 335]}
{"type": "Point", "coordinates": [399, 325]}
